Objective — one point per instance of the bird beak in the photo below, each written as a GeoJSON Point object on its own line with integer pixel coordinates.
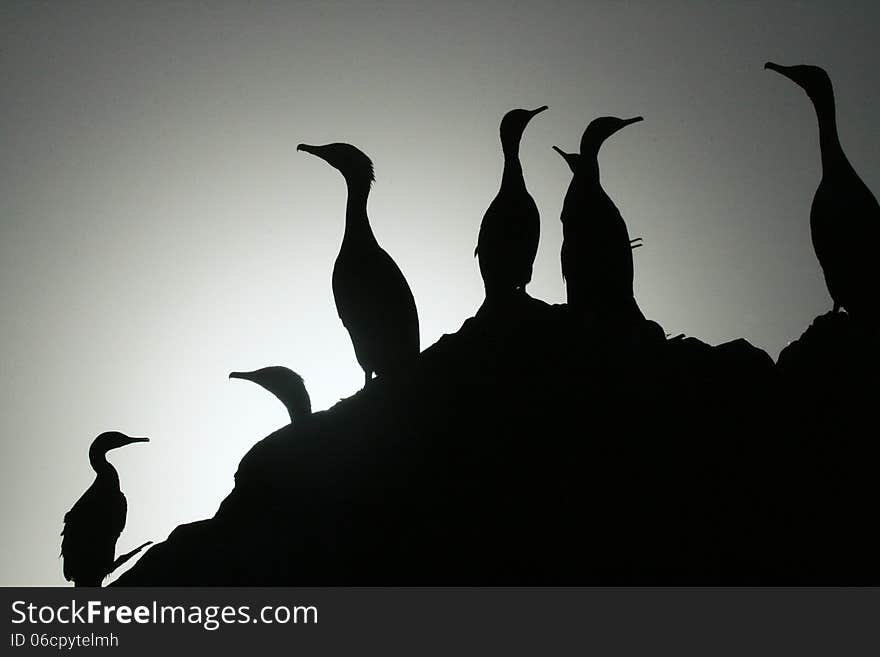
{"type": "Point", "coordinates": [137, 440]}
{"type": "Point", "coordinates": [247, 376]}
{"type": "Point", "coordinates": [793, 73]}
{"type": "Point", "coordinates": [782, 70]}
{"type": "Point", "coordinates": [535, 112]}
{"type": "Point", "coordinates": [635, 119]}
{"type": "Point", "coordinates": [568, 157]}
{"type": "Point", "coordinates": [312, 150]}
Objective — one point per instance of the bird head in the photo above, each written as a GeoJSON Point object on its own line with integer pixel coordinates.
{"type": "Point", "coordinates": [350, 161]}
{"type": "Point", "coordinates": [814, 80]}
{"type": "Point", "coordinates": [600, 129]}
{"type": "Point", "coordinates": [285, 384]}
{"type": "Point", "coordinates": [573, 159]}
{"type": "Point", "coordinates": [113, 439]}
{"type": "Point", "coordinates": [514, 123]}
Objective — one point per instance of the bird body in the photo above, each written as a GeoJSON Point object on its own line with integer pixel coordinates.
{"type": "Point", "coordinates": [376, 306]}
{"type": "Point", "coordinates": [373, 298]}
{"type": "Point", "coordinates": [101, 511]}
{"type": "Point", "coordinates": [94, 523]}
{"type": "Point", "coordinates": [844, 215]}
{"type": "Point", "coordinates": [510, 230]}
{"type": "Point", "coordinates": [596, 256]}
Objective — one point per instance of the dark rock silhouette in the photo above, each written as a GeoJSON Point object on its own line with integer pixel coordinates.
{"type": "Point", "coordinates": [845, 215]}
{"type": "Point", "coordinates": [285, 384]}
{"type": "Point", "coordinates": [93, 525]}
{"type": "Point", "coordinates": [511, 227]}
{"type": "Point", "coordinates": [597, 263]}
{"type": "Point", "coordinates": [830, 377]}
{"type": "Point", "coordinates": [531, 447]}
{"type": "Point", "coordinates": [373, 299]}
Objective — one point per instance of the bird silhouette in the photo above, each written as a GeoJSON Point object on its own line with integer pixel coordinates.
{"type": "Point", "coordinates": [508, 240]}
{"type": "Point", "coordinates": [372, 296]}
{"type": "Point", "coordinates": [93, 525]}
{"type": "Point", "coordinates": [597, 263]}
{"type": "Point", "coordinates": [844, 215]}
{"type": "Point", "coordinates": [285, 384]}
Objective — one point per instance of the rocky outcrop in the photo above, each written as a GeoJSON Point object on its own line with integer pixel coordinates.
{"type": "Point", "coordinates": [539, 446]}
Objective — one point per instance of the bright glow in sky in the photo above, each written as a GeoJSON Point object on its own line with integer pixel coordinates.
{"type": "Point", "coordinates": [159, 229]}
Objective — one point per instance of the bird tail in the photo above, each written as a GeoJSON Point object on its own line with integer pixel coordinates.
{"type": "Point", "coordinates": [128, 555]}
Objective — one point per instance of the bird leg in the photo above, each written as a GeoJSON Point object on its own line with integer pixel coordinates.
{"type": "Point", "coordinates": [128, 555]}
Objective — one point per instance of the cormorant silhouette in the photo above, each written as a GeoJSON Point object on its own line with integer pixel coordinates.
{"type": "Point", "coordinates": [373, 299]}
{"type": "Point", "coordinates": [511, 227]}
{"type": "Point", "coordinates": [95, 522]}
{"type": "Point", "coordinates": [285, 384]}
{"type": "Point", "coordinates": [845, 215]}
{"type": "Point", "coordinates": [597, 263]}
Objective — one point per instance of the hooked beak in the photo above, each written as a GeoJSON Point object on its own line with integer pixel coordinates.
{"type": "Point", "coordinates": [635, 119]}
{"type": "Point", "coordinates": [782, 70]}
{"type": "Point", "coordinates": [568, 157]}
{"type": "Point", "coordinates": [241, 375]}
{"type": "Point", "coordinates": [793, 73]}
{"type": "Point", "coordinates": [136, 440]}
{"type": "Point", "coordinates": [312, 150]}
{"type": "Point", "coordinates": [535, 112]}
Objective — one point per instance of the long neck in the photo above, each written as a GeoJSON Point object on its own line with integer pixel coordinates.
{"type": "Point", "coordinates": [293, 406]}
{"type": "Point", "coordinates": [589, 161]}
{"type": "Point", "coordinates": [590, 171]}
{"type": "Point", "coordinates": [587, 173]}
{"type": "Point", "coordinates": [356, 222]}
{"type": "Point", "coordinates": [297, 411]}
{"type": "Point", "coordinates": [829, 141]}
{"type": "Point", "coordinates": [513, 173]}
{"type": "Point", "coordinates": [103, 468]}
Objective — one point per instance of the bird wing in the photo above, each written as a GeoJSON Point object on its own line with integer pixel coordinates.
{"type": "Point", "coordinates": [508, 240]}
{"type": "Point", "coordinates": [487, 225]}
{"type": "Point", "coordinates": [91, 529]}
{"type": "Point", "coordinates": [596, 253]}
{"type": "Point", "coordinates": [844, 217]}
{"type": "Point", "coordinates": [824, 228]}
{"type": "Point", "coordinates": [509, 219]}
{"type": "Point", "coordinates": [376, 306]}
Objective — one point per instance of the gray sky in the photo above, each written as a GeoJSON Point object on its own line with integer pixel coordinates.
{"type": "Point", "coordinates": [158, 228]}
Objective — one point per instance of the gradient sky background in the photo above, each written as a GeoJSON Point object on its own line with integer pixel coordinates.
{"type": "Point", "coordinates": [158, 228]}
